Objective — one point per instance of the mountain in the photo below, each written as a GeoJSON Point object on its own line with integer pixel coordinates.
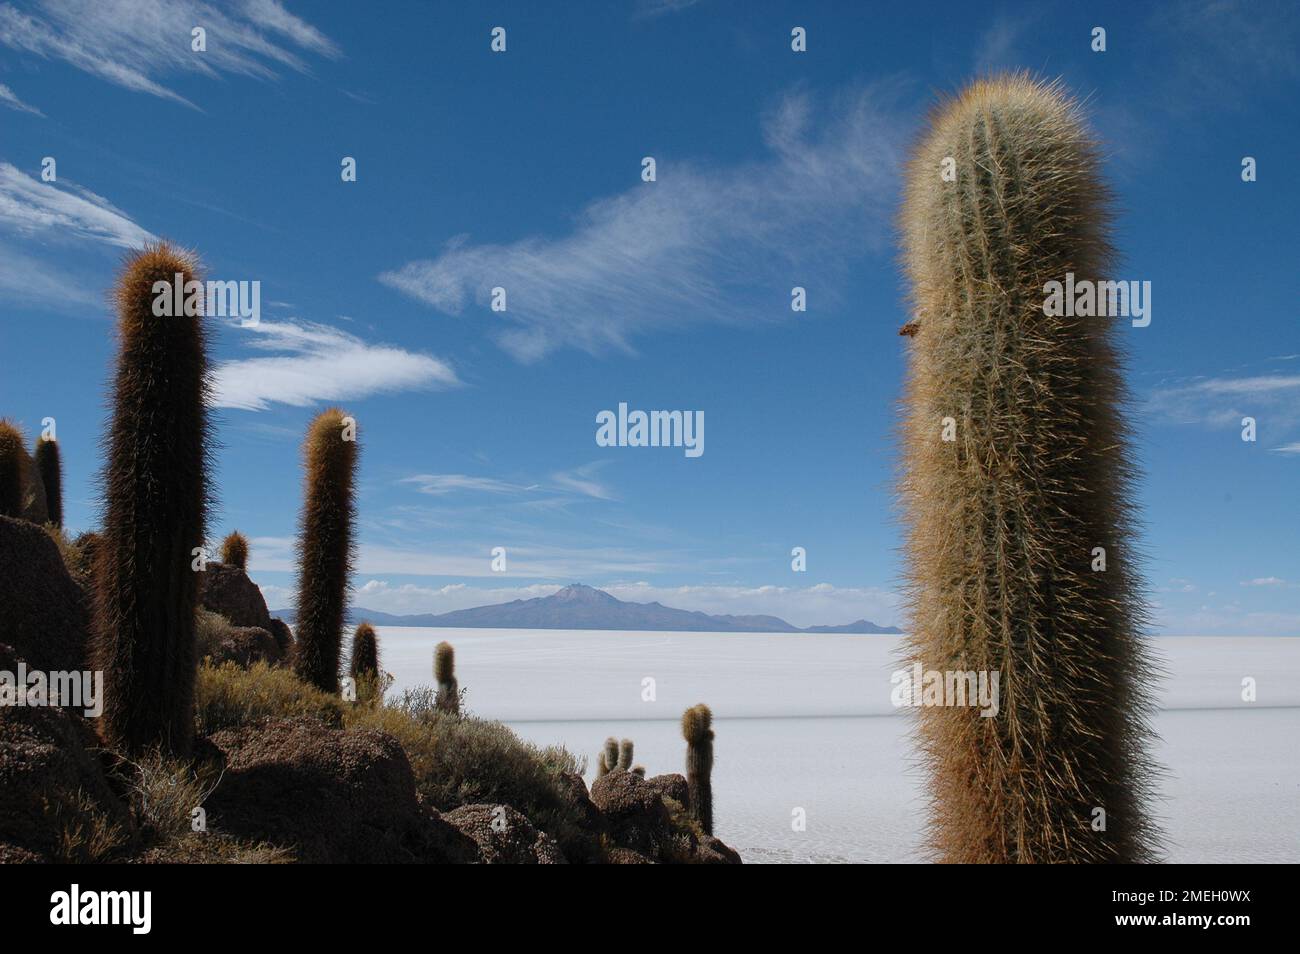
{"type": "Point", "coordinates": [584, 607]}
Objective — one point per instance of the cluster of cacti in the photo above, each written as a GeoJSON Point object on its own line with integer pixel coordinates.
{"type": "Point", "coordinates": [444, 674]}
{"type": "Point", "coordinates": [11, 470]}
{"type": "Point", "coordinates": [49, 469]}
{"type": "Point", "coordinates": [234, 550]}
{"type": "Point", "coordinates": [617, 756]}
{"type": "Point", "coordinates": [155, 494]}
{"type": "Point", "coordinates": [1006, 511]}
{"type": "Point", "coordinates": [325, 547]}
{"type": "Point", "coordinates": [697, 730]}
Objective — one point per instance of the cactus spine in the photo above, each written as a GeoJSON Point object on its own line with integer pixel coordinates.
{"type": "Point", "coordinates": [1002, 521]}
{"type": "Point", "coordinates": [444, 673]}
{"type": "Point", "coordinates": [325, 547]}
{"type": "Point", "coordinates": [234, 550]}
{"type": "Point", "coordinates": [155, 493]}
{"type": "Point", "coordinates": [50, 469]}
{"type": "Point", "coordinates": [697, 730]}
{"type": "Point", "coordinates": [11, 470]}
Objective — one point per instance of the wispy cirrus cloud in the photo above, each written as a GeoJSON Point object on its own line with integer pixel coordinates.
{"type": "Point", "coordinates": [29, 206]}
{"type": "Point", "coordinates": [438, 485]}
{"type": "Point", "coordinates": [9, 98]}
{"type": "Point", "coordinates": [316, 363]}
{"type": "Point", "coordinates": [703, 243]}
{"type": "Point", "coordinates": [1223, 401]}
{"type": "Point", "coordinates": [135, 43]}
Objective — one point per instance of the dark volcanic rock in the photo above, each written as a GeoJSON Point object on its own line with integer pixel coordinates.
{"type": "Point", "coordinates": [671, 786]}
{"type": "Point", "coordinates": [228, 590]}
{"type": "Point", "coordinates": [329, 795]}
{"type": "Point", "coordinates": [282, 635]}
{"type": "Point", "coordinates": [634, 811]}
{"type": "Point", "coordinates": [44, 615]}
{"type": "Point", "coordinates": [51, 780]}
{"type": "Point", "coordinates": [504, 836]}
{"type": "Point", "coordinates": [245, 645]}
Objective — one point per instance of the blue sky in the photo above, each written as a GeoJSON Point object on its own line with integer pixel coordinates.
{"type": "Point", "coordinates": [522, 169]}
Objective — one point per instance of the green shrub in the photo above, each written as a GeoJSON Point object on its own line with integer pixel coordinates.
{"type": "Point", "coordinates": [228, 695]}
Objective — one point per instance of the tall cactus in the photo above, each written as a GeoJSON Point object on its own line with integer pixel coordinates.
{"type": "Point", "coordinates": [234, 550]}
{"type": "Point", "coordinates": [325, 547]}
{"type": "Point", "coordinates": [11, 470]}
{"type": "Point", "coordinates": [697, 730]}
{"type": "Point", "coordinates": [1016, 480]}
{"type": "Point", "coordinates": [155, 494]}
{"type": "Point", "coordinates": [444, 673]}
{"type": "Point", "coordinates": [50, 471]}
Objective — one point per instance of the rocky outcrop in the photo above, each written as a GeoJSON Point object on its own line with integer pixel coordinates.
{"type": "Point", "coordinates": [639, 820]}
{"type": "Point", "coordinates": [56, 803]}
{"type": "Point", "coordinates": [504, 836]}
{"type": "Point", "coordinates": [282, 635]}
{"type": "Point", "coordinates": [228, 590]}
{"type": "Point", "coordinates": [44, 614]}
{"type": "Point", "coordinates": [328, 796]}
{"type": "Point", "coordinates": [245, 645]}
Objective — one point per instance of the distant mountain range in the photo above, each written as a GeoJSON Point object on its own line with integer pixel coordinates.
{"type": "Point", "coordinates": [584, 607]}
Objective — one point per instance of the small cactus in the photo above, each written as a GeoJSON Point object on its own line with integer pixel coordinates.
{"type": "Point", "coordinates": [697, 730]}
{"type": "Point", "coordinates": [638, 770]}
{"type": "Point", "coordinates": [50, 469]}
{"type": "Point", "coordinates": [155, 494]}
{"type": "Point", "coordinates": [364, 666]}
{"type": "Point", "coordinates": [608, 760]}
{"type": "Point", "coordinates": [625, 750]}
{"type": "Point", "coordinates": [234, 550]}
{"type": "Point", "coordinates": [11, 470]}
{"type": "Point", "coordinates": [444, 674]}
{"type": "Point", "coordinates": [325, 547]}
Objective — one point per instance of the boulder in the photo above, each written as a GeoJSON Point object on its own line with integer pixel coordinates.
{"type": "Point", "coordinates": [634, 811]}
{"type": "Point", "coordinates": [328, 795]}
{"type": "Point", "coordinates": [640, 820]}
{"type": "Point", "coordinates": [227, 590]}
{"type": "Point", "coordinates": [245, 645]}
{"type": "Point", "coordinates": [52, 783]}
{"type": "Point", "coordinates": [44, 615]}
{"type": "Point", "coordinates": [671, 786]}
{"type": "Point", "coordinates": [574, 791]}
{"type": "Point", "coordinates": [504, 836]}
{"type": "Point", "coordinates": [282, 635]}
{"type": "Point", "coordinates": [626, 856]}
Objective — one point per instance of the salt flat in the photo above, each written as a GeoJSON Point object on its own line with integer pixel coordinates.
{"type": "Point", "coordinates": [806, 722]}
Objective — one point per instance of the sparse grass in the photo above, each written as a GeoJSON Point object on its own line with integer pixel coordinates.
{"type": "Point", "coordinates": [209, 630]}
{"type": "Point", "coordinates": [86, 834]}
{"type": "Point", "coordinates": [228, 695]}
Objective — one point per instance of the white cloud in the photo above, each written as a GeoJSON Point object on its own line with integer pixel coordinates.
{"type": "Point", "coordinates": [319, 364]}
{"type": "Point", "coordinates": [1223, 402]}
{"type": "Point", "coordinates": [132, 43]}
{"type": "Point", "coordinates": [29, 206]}
{"type": "Point", "coordinates": [438, 485]}
{"type": "Point", "coordinates": [1269, 581]}
{"type": "Point", "coordinates": [1287, 448]}
{"type": "Point", "coordinates": [700, 244]}
{"type": "Point", "coordinates": [9, 98]}
{"type": "Point", "coordinates": [582, 480]}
